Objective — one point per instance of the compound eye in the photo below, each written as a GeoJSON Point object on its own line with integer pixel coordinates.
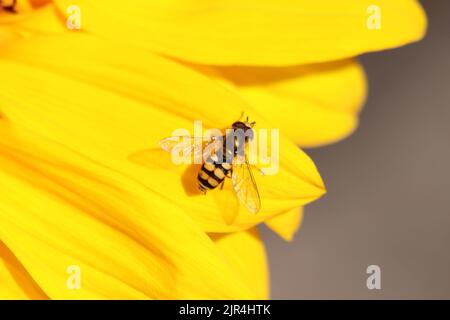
{"type": "Point", "coordinates": [250, 134]}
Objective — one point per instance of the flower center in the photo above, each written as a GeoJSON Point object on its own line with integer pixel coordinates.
{"type": "Point", "coordinates": [8, 6]}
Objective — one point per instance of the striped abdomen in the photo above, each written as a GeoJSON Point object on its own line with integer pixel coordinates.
{"type": "Point", "coordinates": [212, 174]}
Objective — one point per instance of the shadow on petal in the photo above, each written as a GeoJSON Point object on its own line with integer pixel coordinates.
{"type": "Point", "coordinates": [224, 197]}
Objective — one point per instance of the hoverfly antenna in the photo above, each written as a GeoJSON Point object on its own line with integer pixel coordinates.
{"type": "Point", "coordinates": [251, 124]}
{"type": "Point", "coordinates": [247, 121]}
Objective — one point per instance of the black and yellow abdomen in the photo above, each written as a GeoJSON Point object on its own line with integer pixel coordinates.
{"type": "Point", "coordinates": [212, 174]}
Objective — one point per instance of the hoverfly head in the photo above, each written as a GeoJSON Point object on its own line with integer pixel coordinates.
{"type": "Point", "coordinates": [246, 127]}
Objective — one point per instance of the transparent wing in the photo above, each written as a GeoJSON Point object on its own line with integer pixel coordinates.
{"type": "Point", "coordinates": [244, 184]}
{"type": "Point", "coordinates": [187, 146]}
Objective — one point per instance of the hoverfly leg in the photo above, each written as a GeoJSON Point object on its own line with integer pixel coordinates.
{"type": "Point", "coordinates": [261, 172]}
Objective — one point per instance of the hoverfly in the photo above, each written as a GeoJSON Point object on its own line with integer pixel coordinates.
{"type": "Point", "coordinates": [222, 159]}
{"type": "Point", "coordinates": [10, 7]}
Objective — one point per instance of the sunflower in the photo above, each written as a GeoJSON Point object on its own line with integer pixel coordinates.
{"type": "Point", "coordinates": [77, 107]}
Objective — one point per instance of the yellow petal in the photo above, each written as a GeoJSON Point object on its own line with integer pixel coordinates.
{"type": "Point", "coordinates": [15, 282]}
{"type": "Point", "coordinates": [109, 107]}
{"type": "Point", "coordinates": [246, 255]}
{"type": "Point", "coordinates": [254, 32]}
{"type": "Point", "coordinates": [287, 223]}
{"type": "Point", "coordinates": [60, 210]}
{"type": "Point", "coordinates": [314, 104]}
{"type": "Point", "coordinates": [43, 19]}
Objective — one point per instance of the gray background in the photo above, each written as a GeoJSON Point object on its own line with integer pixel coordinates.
{"type": "Point", "coordinates": [388, 200]}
